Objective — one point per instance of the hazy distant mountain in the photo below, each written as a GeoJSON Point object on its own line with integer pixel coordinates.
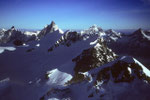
{"type": "Point", "coordinates": [136, 43]}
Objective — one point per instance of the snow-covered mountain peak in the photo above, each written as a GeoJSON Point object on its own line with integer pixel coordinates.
{"type": "Point", "coordinates": [13, 28]}
{"type": "Point", "coordinates": [111, 31]}
{"type": "Point", "coordinates": [140, 35]}
{"type": "Point", "coordinates": [54, 27]}
{"type": "Point", "coordinates": [112, 36]}
{"type": "Point", "coordinates": [93, 30]}
{"type": "Point", "coordinates": [53, 23]}
{"type": "Point", "coordinates": [50, 29]}
{"type": "Point", "coordinates": [94, 27]}
{"type": "Point", "coordinates": [138, 32]}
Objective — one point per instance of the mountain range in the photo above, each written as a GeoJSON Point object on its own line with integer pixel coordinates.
{"type": "Point", "coordinates": [89, 65]}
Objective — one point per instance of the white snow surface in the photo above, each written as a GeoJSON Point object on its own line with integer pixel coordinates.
{"type": "Point", "coordinates": [28, 33]}
{"type": "Point", "coordinates": [2, 49]}
{"type": "Point", "coordinates": [133, 60]}
{"type": "Point", "coordinates": [57, 28]}
{"type": "Point", "coordinates": [58, 77]}
{"type": "Point", "coordinates": [94, 42]}
{"type": "Point", "coordinates": [146, 36]}
{"type": "Point", "coordinates": [145, 70]}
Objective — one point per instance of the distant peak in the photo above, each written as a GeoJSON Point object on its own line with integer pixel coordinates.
{"type": "Point", "coordinates": [111, 30]}
{"type": "Point", "coordinates": [50, 26]}
{"type": "Point", "coordinates": [13, 27]}
{"type": "Point", "coordinates": [139, 31]}
{"type": "Point", "coordinates": [96, 28]}
{"type": "Point", "coordinates": [50, 29]}
{"type": "Point", "coordinates": [94, 25]}
{"type": "Point", "coordinates": [52, 23]}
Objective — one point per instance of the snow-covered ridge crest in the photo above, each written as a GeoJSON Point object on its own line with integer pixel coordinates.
{"type": "Point", "coordinates": [141, 34]}
{"type": "Point", "coordinates": [128, 70]}
{"type": "Point", "coordinates": [93, 30]}
{"type": "Point", "coordinates": [108, 35]}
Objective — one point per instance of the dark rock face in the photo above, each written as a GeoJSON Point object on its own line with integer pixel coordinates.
{"type": "Point", "coordinates": [86, 61]}
{"type": "Point", "coordinates": [93, 57]}
{"type": "Point", "coordinates": [71, 37]}
{"type": "Point", "coordinates": [18, 42]}
{"type": "Point", "coordinates": [56, 92]}
{"type": "Point", "coordinates": [138, 37]}
{"type": "Point", "coordinates": [12, 27]}
{"type": "Point", "coordinates": [120, 73]}
{"type": "Point", "coordinates": [30, 50]}
{"type": "Point", "coordinates": [135, 44]}
{"type": "Point", "coordinates": [46, 30]}
{"type": "Point", "coordinates": [13, 35]}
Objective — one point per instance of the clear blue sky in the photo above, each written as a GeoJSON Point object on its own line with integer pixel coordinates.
{"type": "Point", "coordinates": [75, 14]}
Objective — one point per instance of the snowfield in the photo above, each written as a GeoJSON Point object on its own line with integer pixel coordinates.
{"type": "Point", "coordinates": [2, 49]}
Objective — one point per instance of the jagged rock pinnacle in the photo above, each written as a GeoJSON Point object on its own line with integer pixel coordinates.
{"type": "Point", "coordinates": [52, 23]}
{"type": "Point", "coordinates": [13, 27]}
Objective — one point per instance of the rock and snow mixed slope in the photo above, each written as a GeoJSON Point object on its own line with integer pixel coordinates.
{"type": "Point", "coordinates": [50, 29]}
{"type": "Point", "coordinates": [108, 35]}
{"type": "Point", "coordinates": [139, 38]}
{"type": "Point", "coordinates": [93, 30]}
{"type": "Point", "coordinates": [136, 44]}
{"type": "Point", "coordinates": [18, 38]}
{"type": "Point", "coordinates": [73, 66]}
{"type": "Point", "coordinates": [112, 36]}
{"type": "Point", "coordinates": [124, 78]}
{"type": "Point", "coordinates": [15, 36]}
